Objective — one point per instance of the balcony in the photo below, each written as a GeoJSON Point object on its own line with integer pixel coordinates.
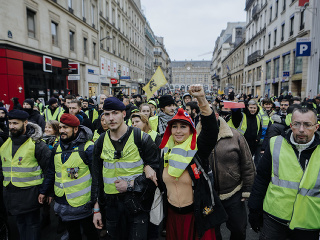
{"type": "Point", "coordinates": [157, 53]}
{"type": "Point", "coordinates": [248, 4]}
{"type": "Point", "coordinates": [254, 57]}
{"type": "Point", "coordinates": [156, 64]}
{"type": "Point", "coordinates": [255, 12]}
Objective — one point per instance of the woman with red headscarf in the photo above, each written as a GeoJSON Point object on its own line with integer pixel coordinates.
{"type": "Point", "coordinates": [193, 206]}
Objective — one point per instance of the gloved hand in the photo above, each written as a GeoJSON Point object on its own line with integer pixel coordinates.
{"type": "Point", "coordinates": [276, 118]}
{"type": "Point", "coordinates": [255, 219]}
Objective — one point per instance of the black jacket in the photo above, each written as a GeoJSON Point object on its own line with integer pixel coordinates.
{"type": "Point", "coordinates": [150, 156]}
{"type": "Point", "coordinates": [203, 187]}
{"type": "Point", "coordinates": [23, 200]}
{"type": "Point", "coordinates": [264, 170]}
{"type": "Point", "coordinates": [37, 118]}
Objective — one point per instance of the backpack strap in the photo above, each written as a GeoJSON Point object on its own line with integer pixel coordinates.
{"type": "Point", "coordinates": [138, 140]}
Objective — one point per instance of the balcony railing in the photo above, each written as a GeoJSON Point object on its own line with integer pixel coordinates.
{"type": "Point", "coordinates": [254, 56]}
{"type": "Point", "coordinates": [248, 4]}
{"type": "Point", "coordinates": [157, 53]}
{"type": "Point", "coordinates": [255, 12]}
{"type": "Point", "coordinates": [157, 64]}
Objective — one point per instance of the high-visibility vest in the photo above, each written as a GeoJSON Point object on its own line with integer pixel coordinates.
{"type": "Point", "coordinates": [178, 157]}
{"type": "Point", "coordinates": [128, 167]}
{"type": "Point", "coordinates": [23, 169]}
{"type": "Point", "coordinates": [265, 121]}
{"type": "Point", "coordinates": [95, 115]}
{"type": "Point", "coordinates": [243, 124]}
{"type": "Point", "coordinates": [154, 123]}
{"type": "Point", "coordinates": [153, 134]}
{"type": "Point", "coordinates": [76, 188]}
{"type": "Point", "coordinates": [96, 135]}
{"type": "Point", "coordinates": [56, 115]}
{"type": "Point", "coordinates": [293, 194]}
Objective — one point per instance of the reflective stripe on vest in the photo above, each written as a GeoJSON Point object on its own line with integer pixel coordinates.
{"type": "Point", "coordinates": [128, 167]}
{"type": "Point", "coordinates": [77, 189]}
{"type": "Point", "coordinates": [23, 169]}
{"type": "Point", "coordinates": [178, 157]}
{"type": "Point", "coordinates": [292, 194]}
{"type": "Point", "coordinates": [264, 117]}
{"type": "Point", "coordinates": [243, 124]}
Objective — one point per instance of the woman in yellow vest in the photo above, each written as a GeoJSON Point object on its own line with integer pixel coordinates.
{"type": "Point", "coordinates": [146, 110]}
{"type": "Point", "coordinates": [103, 127]}
{"type": "Point", "coordinates": [140, 120]}
{"type": "Point", "coordinates": [51, 133]}
{"type": "Point", "coordinates": [193, 206]}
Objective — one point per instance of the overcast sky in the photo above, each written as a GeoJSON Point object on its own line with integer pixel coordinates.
{"type": "Point", "coordinates": [190, 27]}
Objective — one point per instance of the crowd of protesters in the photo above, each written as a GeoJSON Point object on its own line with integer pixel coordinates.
{"type": "Point", "coordinates": [177, 165]}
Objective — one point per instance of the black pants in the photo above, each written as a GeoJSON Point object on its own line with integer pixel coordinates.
{"type": "Point", "coordinates": [237, 218]}
{"type": "Point", "coordinates": [29, 225]}
{"type": "Point", "coordinates": [121, 224]}
{"type": "Point", "coordinates": [89, 230]}
{"type": "Point", "coordinates": [273, 230]}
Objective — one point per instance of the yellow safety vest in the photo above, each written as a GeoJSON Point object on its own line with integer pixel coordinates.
{"type": "Point", "coordinates": [23, 169]}
{"type": "Point", "coordinates": [293, 195]}
{"type": "Point", "coordinates": [95, 115]}
{"type": "Point", "coordinates": [72, 178]}
{"type": "Point", "coordinates": [96, 135]}
{"type": "Point", "coordinates": [56, 115]}
{"type": "Point", "coordinates": [153, 134]}
{"type": "Point", "coordinates": [178, 157]}
{"type": "Point", "coordinates": [265, 118]}
{"type": "Point", "coordinates": [128, 167]}
{"type": "Point", "coordinates": [154, 123]}
{"type": "Point", "coordinates": [243, 124]}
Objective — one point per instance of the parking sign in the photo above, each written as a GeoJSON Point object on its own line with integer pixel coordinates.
{"type": "Point", "coordinates": [303, 47]}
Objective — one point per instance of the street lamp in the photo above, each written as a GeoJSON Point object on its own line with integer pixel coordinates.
{"type": "Point", "coordinates": [107, 37]}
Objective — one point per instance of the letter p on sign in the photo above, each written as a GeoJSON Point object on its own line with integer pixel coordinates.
{"type": "Point", "coordinates": [303, 47]}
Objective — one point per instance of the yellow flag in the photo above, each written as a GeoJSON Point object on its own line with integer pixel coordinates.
{"type": "Point", "coordinates": [220, 92]}
{"type": "Point", "coordinates": [155, 83]}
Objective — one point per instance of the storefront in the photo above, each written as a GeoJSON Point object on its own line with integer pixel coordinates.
{"type": "Point", "coordinates": [26, 74]}
{"type": "Point", "coordinates": [92, 77]}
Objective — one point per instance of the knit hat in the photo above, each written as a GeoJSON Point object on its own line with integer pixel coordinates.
{"type": "Point", "coordinates": [18, 114]}
{"type": "Point", "coordinates": [165, 100]}
{"type": "Point", "coordinates": [153, 103]}
{"type": "Point", "coordinates": [29, 101]}
{"type": "Point", "coordinates": [52, 101]}
{"type": "Point", "coordinates": [113, 103]}
{"type": "Point", "coordinates": [91, 101]}
{"type": "Point", "coordinates": [183, 117]}
{"type": "Point", "coordinates": [70, 120]}
{"type": "Point", "coordinates": [4, 109]}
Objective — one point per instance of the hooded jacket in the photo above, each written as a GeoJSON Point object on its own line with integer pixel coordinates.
{"type": "Point", "coordinates": [231, 163]}
{"type": "Point", "coordinates": [23, 200]}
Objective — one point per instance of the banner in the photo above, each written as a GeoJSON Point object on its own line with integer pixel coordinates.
{"type": "Point", "coordinates": [109, 68]}
{"type": "Point", "coordinates": [102, 66]}
{"type": "Point", "coordinates": [228, 104]}
{"type": "Point", "coordinates": [115, 70]}
{"type": "Point", "coordinates": [155, 83]}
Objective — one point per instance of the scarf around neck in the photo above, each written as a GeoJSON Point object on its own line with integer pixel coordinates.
{"type": "Point", "coordinates": [163, 122]}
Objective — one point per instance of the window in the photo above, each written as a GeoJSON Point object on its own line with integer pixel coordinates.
{"type": "Point", "coordinates": [297, 65]}
{"type": "Point", "coordinates": [275, 37]}
{"type": "Point", "coordinates": [70, 3]}
{"type": "Point", "coordinates": [270, 14]}
{"type": "Point", "coordinates": [71, 39]}
{"type": "Point", "coordinates": [284, 5]}
{"type": "Point", "coordinates": [277, 7]}
{"type": "Point", "coordinates": [259, 74]}
{"type": "Point", "coordinates": [83, 9]}
{"type": "Point", "coordinates": [282, 31]}
{"type": "Point", "coordinates": [94, 51]}
{"type": "Point", "coordinates": [276, 68]}
{"type": "Point", "coordinates": [268, 75]}
{"type": "Point", "coordinates": [291, 25]}
{"type": "Point", "coordinates": [92, 14]}
{"type": "Point", "coordinates": [107, 9]}
{"type": "Point", "coordinates": [54, 33]}
{"type": "Point", "coordinates": [85, 42]}
{"type": "Point", "coordinates": [302, 19]}
{"type": "Point", "coordinates": [286, 63]}
{"type": "Point", "coordinates": [31, 23]}
{"type": "Point", "coordinates": [269, 40]}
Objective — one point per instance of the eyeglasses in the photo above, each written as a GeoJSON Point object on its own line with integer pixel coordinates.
{"type": "Point", "coordinates": [306, 125]}
{"type": "Point", "coordinates": [284, 105]}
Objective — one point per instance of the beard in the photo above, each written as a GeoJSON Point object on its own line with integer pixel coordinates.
{"type": "Point", "coordinates": [16, 132]}
{"type": "Point", "coordinates": [68, 139]}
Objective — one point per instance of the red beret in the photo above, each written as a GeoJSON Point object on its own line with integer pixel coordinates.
{"type": "Point", "coordinates": [70, 120]}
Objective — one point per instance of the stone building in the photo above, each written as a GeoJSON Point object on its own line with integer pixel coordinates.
{"type": "Point", "coordinates": [186, 73]}
{"type": "Point", "coordinates": [149, 54]}
{"type": "Point", "coordinates": [161, 58]}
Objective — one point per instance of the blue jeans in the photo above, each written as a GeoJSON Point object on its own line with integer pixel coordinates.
{"type": "Point", "coordinates": [29, 225]}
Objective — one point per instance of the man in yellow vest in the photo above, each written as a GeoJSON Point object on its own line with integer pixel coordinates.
{"type": "Point", "coordinates": [24, 160]}
{"type": "Point", "coordinates": [285, 197]}
{"type": "Point", "coordinates": [120, 157]}
{"type": "Point", "coordinates": [69, 174]}
{"type": "Point", "coordinates": [52, 112]}
{"type": "Point", "coordinates": [89, 110]}
{"type": "Point", "coordinates": [167, 106]}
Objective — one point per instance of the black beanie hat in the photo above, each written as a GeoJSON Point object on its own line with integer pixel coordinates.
{"type": "Point", "coordinates": [165, 100]}
{"type": "Point", "coordinates": [52, 101]}
{"type": "Point", "coordinates": [29, 101]}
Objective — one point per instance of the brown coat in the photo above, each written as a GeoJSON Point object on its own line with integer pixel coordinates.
{"type": "Point", "coordinates": [232, 163]}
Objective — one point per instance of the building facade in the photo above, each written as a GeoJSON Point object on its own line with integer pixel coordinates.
{"type": "Point", "coordinates": [149, 54]}
{"type": "Point", "coordinates": [186, 73]}
{"type": "Point", "coordinates": [161, 58]}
